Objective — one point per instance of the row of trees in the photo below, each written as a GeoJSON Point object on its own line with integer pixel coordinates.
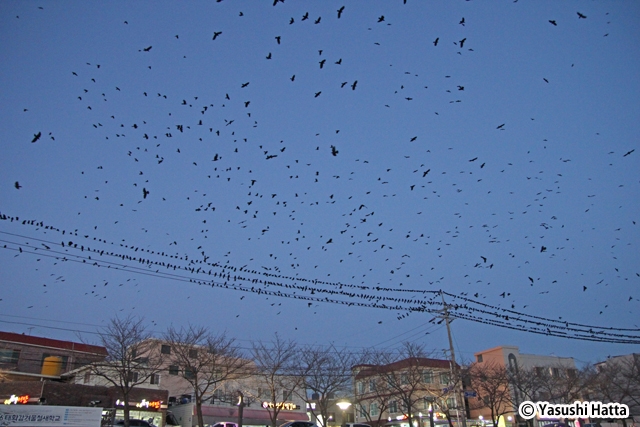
{"type": "Point", "coordinates": [501, 389]}
{"type": "Point", "coordinates": [267, 371]}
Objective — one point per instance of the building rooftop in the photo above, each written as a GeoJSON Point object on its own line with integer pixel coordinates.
{"type": "Point", "coordinates": [11, 337]}
{"type": "Point", "coordinates": [368, 370]}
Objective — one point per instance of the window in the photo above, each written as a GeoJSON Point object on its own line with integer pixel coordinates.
{"type": "Point", "coordinates": [9, 356]}
{"type": "Point", "coordinates": [363, 411]}
{"type": "Point", "coordinates": [360, 387]}
{"type": "Point", "coordinates": [373, 409]}
{"type": "Point", "coordinates": [444, 378]}
{"type": "Point", "coordinates": [193, 353]}
{"type": "Point", "coordinates": [189, 373]}
{"type": "Point", "coordinates": [286, 395]}
{"type": "Point", "coordinates": [393, 407]}
{"type": "Point", "coordinates": [165, 349]}
{"type": "Point", "coordinates": [87, 377]}
{"type": "Point", "coordinates": [571, 373]}
{"type": "Point", "coordinates": [404, 378]}
{"type": "Point", "coordinates": [427, 377]}
{"type": "Point", "coordinates": [133, 377]}
{"type": "Point", "coordinates": [173, 370]}
{"type": "Point", "coordinates": [539, 371]}
{"type": "Point", "coordinates": [155, 379]}
{"type": "Point", "coordinates": [451, 403]}
{"type": "Point", "coordinates": [372, 385]}
{"type": "Point", "coordinates": [555, 372]}
{"type": "Point", "coordinates": [479, 358]}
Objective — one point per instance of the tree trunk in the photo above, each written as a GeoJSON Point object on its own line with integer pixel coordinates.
{"type": "Point", "coordinates": [199, 409]}
{"type": "Point", "coordinates": [126, 409]}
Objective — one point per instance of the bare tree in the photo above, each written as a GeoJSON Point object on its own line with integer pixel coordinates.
{"type": "Point", "coordinates": [399, 381]}
{"type": "Point", "coordinates": [207, 361]}
{"type": "Point", "coordinates": [372, 399]}
{"type": "Point", "coordinates": [276, 365]}
{"type": "Point", "coordinates": [525, 385]}
{"type": "Point", "coordinates": [445, 398]}
{"type": "Point", "coordinates": [131, 360]}
{"type": "Point", "coordinates": [491, 383]}
{"type": "Point", "coordinates": [327, 374]}
{"type": "Point", "coordinates": [557, 384]}
{"type": "Point", "coordinates": [617, 380]}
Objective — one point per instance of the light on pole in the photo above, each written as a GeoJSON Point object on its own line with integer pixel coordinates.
{"type": "Point", "coordinates": [343, 405]}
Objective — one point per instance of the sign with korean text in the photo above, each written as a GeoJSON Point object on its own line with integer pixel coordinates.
{"type": "Point", "coordinates": [49, 416]}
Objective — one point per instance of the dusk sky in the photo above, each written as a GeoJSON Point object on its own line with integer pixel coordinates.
{"type": "Point", "coordinates": [324, 169]}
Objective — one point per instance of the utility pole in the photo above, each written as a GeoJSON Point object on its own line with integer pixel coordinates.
{"type": "Point", "coordinates": [454, 367]}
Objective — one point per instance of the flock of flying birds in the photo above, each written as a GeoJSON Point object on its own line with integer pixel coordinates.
{"type": "Point", "coordinates": [288, 199]}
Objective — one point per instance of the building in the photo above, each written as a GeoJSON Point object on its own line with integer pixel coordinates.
{"type": "Point", "coordinates": [498, 381]}
{"type": "Point", "coordinates": [617, 379]}
{"type": "Point", "coordinates": [220, 401]}
{"type": "Point", "coordinates": [406, 393]}
{"type": "Point", "coordinates": [31, 358]}
{"type": "Point", "coordinates": [147, 403]}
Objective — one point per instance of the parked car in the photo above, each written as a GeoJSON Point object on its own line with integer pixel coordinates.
{"type": "Point", "coordinates": [299, 424]}
{"type": "Point", "coordinates": [225, 424]}
{"type": "Point", "coordinates": [357, 425]}
{"type": "Point", "coordinates": [135, 423]}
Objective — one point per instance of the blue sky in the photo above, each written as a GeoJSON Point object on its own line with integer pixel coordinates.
{"type": "Point", "coordinates": [355, 153]}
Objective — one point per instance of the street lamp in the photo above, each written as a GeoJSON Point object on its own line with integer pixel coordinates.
{"type": "Point", "coordinates": [343, 405]}
{"type": "Point", "coordinates": [430, 400]}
